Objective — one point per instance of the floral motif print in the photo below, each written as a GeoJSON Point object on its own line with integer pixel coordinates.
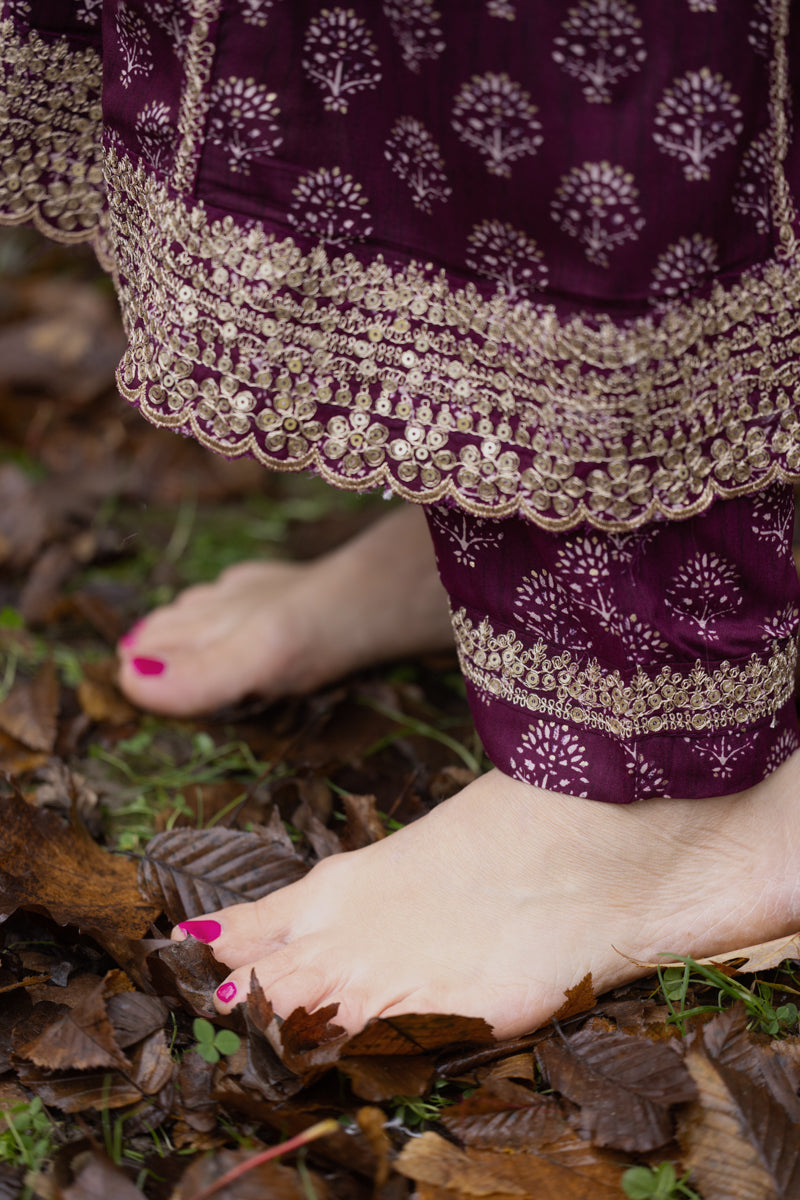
{"type": "Point", "coordinates": [416, 158]}
{"type": "Point", "coordinates": [786, 744]}
{"type": "Point", "coordinates": [697, 117]}
{"type": "Point", "coordinates": [597, 204]}
{"type": "Point", "coordinates": [602, 44]}
{"type": "Point", "coordinates": [704, 591]}
{"type": "Point", "coordinates": [154, 129]}
{"type": "Point", "coordinates": [782, 624]}
{"type": "Point", "coordinates": [330, 206]}
{"type": "Point", "coordinates": [467, 537]}
{"type": "Point", "coordinates": [751, 195]}
{"type": "Point", "coordinates": [415, 24]}
{"type": "Point", "coordinates": [243, 120]}
{"type": "Point", "coordinates": [650, 779]}
{"type": "Point", "coordinates": [256, 12]}
{"type": "Point", "coordinates": [173, 19]}
{"type": "Point", "coordinates": [134, 44]}
{"type": "Point", "coordinates": [501, 8]}
{"type": "Point", "coordinates": [340, 55]}
{"type": "Point", "coordinates": [702, 6]}
{"type": "Point", "coordinates": [494, 115]}
{"type": "Point", "coordinates": [760, 35]}
{"type": "Point", "coordinates": [683, 267]}
{"type": "Point", "coordinates": [88, 11]}
{"type": "Point", "coordinates": [17, 10]}
{"type": "Point", "coordinates": [772, 520]}
{"type": "Point", "coordinates": [555, 757]}
{"type": "Point", "coordinates": [544, 608]}
{"type": "Point", "coordinates": [723, 751]}
{"type": "Point", "coordinates": [501, 252]}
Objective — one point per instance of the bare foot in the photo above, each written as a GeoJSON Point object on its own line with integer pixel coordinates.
{"type": "Point", "coordinates": [276, 628]}
{"type": "Point", "coordinates": [505, 896]}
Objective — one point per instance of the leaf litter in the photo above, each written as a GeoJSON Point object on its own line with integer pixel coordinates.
{"type": "Point", "coordinates": [117, 1079]}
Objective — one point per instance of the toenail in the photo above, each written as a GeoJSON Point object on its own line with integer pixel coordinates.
{"type": "Point", "coordinates": [204, 931]}
{"type": "Point", "coordinates": [148, 666]}
{"type": "Point", "coordinates": [226, 992]}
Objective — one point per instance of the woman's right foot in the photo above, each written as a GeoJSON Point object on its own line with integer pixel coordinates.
{"type": "Point", "coordinates": [277, 628]}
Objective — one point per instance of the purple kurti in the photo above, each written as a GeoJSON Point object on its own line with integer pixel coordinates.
{"type": "Point", "coordinates": [500, 257]}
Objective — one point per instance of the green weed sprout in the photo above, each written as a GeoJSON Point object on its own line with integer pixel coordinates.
{"type": "Point", "coordinates": [28, 1138]}
{"type": "Point", "coordinates": [213, 1043]}
{"type": "Point", "coordinates": [656, 1183]}
{"type": "Point", "coordinates": [762, 1014]}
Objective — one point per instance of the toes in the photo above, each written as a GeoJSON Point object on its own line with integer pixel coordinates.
{"type": "Point", "coordinates": [289, 981]}
{"type": "Point", "coordinates": [238, 933]}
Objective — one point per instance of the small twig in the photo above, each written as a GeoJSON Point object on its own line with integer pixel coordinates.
{"type": "Point", "coordinates": [321, 1129]}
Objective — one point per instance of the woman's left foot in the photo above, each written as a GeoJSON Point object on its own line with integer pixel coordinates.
{"type": "Point", "coordinates": [505, 896]}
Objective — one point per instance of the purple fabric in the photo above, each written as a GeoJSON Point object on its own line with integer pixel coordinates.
{"type": "Point", "coordinates": [531, 257]}
{"type": "Point", "coordinates": [623, 666]}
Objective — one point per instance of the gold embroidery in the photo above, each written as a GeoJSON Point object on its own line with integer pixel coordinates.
{"type": "Point", "coordinates": [378, 375]}
{"type": "Point", "coordinates": [691, 699]}
{"type": "Point", "coordinates": [198, 62]}
{"type": "Point", "coordinates": [50, 126]}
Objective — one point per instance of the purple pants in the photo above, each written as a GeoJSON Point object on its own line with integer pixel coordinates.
{"type": "Point", "coordinates": [620, 666]}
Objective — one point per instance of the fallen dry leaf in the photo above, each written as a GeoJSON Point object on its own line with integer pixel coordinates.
{"type": "Point", "coordinates": [51, 867]}
{"type": "Point", "coordinates": [80, 1038]}
{"type": "Point", "coordinates": [192, 871]}
{"type": "Point", "coordinates": [29, 711]}
{"type": "Point", "coordinates": [625, 1085]}
{"type": "Point", "coordinates": [569, 1169]}
{"type": "Point", "coordinates": [738, 1141]}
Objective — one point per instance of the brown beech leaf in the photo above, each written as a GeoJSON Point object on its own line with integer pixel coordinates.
{"type": "Point", "coordinates": [763, 957]}
{"type": "Point", "coordinates": [29, 711]}
{"type": "Point", "coordinates": [269, 1181]}
{"type": "Point", "coordinates": [193, 871]}
{"type": "Point", "coordinates": [774, 1064]}
{"type": "Point", "coordinates": [624, 1084]}
{"type": "Point", "coordinates": [420, 1033]}
{"type": "Point", "coordinates": [75, 1091]}
{"type": "Point", "coordinates": [364, 826]}
{"type": "Point", "coordinates": [53, 868]}
{"type": "Point", "coordinates": [98, 1178]}
{"type": "Point", "coordinates": [188, 971]}
{"type": "Point", "coordinates": [569, 1169]}
{"type": "Point", "coordinates": [375, 1078]}
{"type": "Point", "coordinates": [579, 999]}
{"type": "Point", "coordinates": [484, 1121]}
{"type": "Point", "coordinates": [737, 1140]}
{"type": "Point", "coordinates": [80, 1038]}
{"type": "Point", "coordinates": [135, 1016]}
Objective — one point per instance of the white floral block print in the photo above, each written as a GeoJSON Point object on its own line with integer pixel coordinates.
{"type": "Point", "coordinates": [243, 120]}
{"type": "Point", "coordinates": [501, 252]}
{"type": "Point", "coordinates": [602, 43]}
{"type": "Point", "coordinates": [88, 11]}
{"type": "Point", "coordinates": [553, 757]}
{"type": "Point", "coordinates": [468, 535]}
{"type": "Point", "coordinates": [723, 751]}
{"type": "Point", "coordinates": [696, 118]}
{"type": "Point", "coordinates": [597, 204]}
{"type": "Point", "coordinates": [751, 194]}
{"type": "Point", "coordinates": [415, 25]}
{"type": "Point", "coordinates": [494, 115]}
{"type": "Point", "coordinates": [155, 132]}
{"type": "Point", "coordinates": [331, 206]}
{"type": "Point", "coordinates": [503, 9]}
{"type": "Point", "coordinates": [683, 267]}
{"type": "Point", "coordinates": [544, 609]}
{"type": "Point", "coordinates": [703, 592]}
{"type": "Point", "coordinates": [416, 158]}
{"type": "Point", "coordinates": [339, 54]}
{"type": "Point", "coordinates": [134, 45]}
{"type": "Point", "coordinates": [786, 744]}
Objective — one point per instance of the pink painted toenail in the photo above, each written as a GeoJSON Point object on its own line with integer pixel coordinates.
{"type": "Point", "coordinates": [130, 637]}
{"type": "Point", "coordinates": [148, 666]}
{"type": "Point", "coordinates": [204, 931]}
{"type": "Point", "coordinates": [226, 992]}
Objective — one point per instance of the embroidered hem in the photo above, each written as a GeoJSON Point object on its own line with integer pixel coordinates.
{"type": "Point", "coordinates": [689, 698]}
{"type": "Point", "coordinates": [396, 376]}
